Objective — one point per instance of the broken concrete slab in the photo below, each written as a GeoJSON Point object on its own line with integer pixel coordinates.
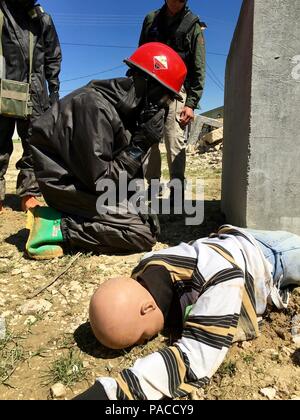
{"type": "Point", "coordinates": [198, 124]}
{"type": "Point", "coordinates": [214, 136]}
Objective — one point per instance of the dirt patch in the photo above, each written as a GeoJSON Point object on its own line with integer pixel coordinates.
{"type": "Point", "coordinates": [56, 345]}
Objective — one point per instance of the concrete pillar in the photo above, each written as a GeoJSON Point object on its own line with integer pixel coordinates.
{"type": "Point", "coordinates": [261, 164]}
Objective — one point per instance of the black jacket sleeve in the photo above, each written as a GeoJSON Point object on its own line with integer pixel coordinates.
{"type": "Point", "coordinates": [53, 55]}
{"type": "Point", "coordinates": [76, 145]}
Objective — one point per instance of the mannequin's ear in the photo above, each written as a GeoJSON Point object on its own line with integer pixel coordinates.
{"type": "Point", "coordinates": [148, 307]}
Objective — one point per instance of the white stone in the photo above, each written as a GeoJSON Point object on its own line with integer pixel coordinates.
{"type": "Point", "coordinates": [197, 395]}
{"type": "Point", "coordinates": [3, 281]}
{"type": "Point", "coordinates": [270, 393]}
{"type": "Point", "coordinates": [2, 328]}
{"type": "Point", "coordinates": [4, 261]}
{"type": "Point", "coordinates": [246, 345]}
{"type": "Point", "coordinates": [75, 286]}
{"type": "Point", "coordinates": [35, 306]}
{"type": "Point", "coordinates": [271, 352]}
{"type": "Point", "coordinates": [6, 314]}
{"type": "Point", "coordinates": [296, 330]}
{"type": "Point", "coordinates": [287, 351]}
{"type": "Point", "coordinates": [30, 320]}
{"type": "Point", "coordinates": [58, 391]}
{"type": "Point", "coordinates": [16, 272]}
{"type": "Point", "coordinates": [296, 340]}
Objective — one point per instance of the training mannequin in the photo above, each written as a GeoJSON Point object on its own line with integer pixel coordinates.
{"type": "Point", "coordinates": [142, 312]}
{"type": "Point", "coordinates": [214, 291]}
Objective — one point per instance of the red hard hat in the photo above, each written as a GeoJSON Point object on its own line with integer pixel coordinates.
{"type": "Point", "coordinates": [162, 63]}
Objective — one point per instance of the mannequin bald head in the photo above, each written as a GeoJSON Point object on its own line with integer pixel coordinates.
{"type": "Point", "coordinates": [124, 313]}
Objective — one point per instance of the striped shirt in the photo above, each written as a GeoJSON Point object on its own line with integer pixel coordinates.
{"type": "Point", "coordinates": [226, 281]}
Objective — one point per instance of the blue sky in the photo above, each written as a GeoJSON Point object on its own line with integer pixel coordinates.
{"type": "Point", "coordinates": [114, 26]}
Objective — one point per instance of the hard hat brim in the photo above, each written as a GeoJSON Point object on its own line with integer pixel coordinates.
{"type": "Point", "coordinates": [134, 65]}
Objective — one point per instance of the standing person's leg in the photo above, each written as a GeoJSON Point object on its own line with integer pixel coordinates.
{"type": "Point", "coordinates": [27, 186]}
{"type": "Point", "coordinates": [7, 126]}
{"type": "Point", "coordinates": [175, 140]}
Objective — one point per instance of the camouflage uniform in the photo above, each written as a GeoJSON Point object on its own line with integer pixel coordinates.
{"type": "Point", "coordinates": [190, 45]}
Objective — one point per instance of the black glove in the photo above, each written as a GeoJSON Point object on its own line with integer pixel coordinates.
{"type": "Point", "coordinates": [150, 132]}
{"type": "Point", "coordinates": [95, 393]}
{"type": "Point", "coordinates": [53, 97]}
{"type": "Point", "coordinates": [153, 221]}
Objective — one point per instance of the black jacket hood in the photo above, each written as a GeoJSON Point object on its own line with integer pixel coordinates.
{"type": "Point", "coordinates": [125, 94]}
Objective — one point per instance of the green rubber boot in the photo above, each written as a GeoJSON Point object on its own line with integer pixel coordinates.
{"type": "Point", "coordinates": [45, 234]}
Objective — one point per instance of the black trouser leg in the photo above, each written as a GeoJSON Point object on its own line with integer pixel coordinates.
{"type": "Point", "coordinates": [111, 234]}
{"type": "Point", "coordinates": [26, 182]}
{"type": "Point", "coordinates": [7, 126]}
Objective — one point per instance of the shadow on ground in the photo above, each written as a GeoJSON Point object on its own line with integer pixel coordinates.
{"type": "Point", "coordinates": [174, 229]}
{"type": "Point", "coordinates": [88, 344]}
{"type": "Point", "coordinates": [13, 202]}
{"type": "Point", "coordinates": [18, 239]}
{"type": "Point", "coordinates": [296, 358]}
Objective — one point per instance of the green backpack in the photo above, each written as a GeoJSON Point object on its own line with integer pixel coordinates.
{"type": "Point", "coordinates": [15, 98]}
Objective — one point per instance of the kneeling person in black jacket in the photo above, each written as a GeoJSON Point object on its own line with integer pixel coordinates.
{"type": "Point", "coordinates": [91, 138]}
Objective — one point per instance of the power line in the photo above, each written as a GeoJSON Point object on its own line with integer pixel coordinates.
{"type": "Point", "coordinates": [83, 19]}
{"type": "Point", "coordinates": [95, 15]}
{"type": "Point", "coordinates": [95, 20]}
{"type": "Point", "coordinates": [72, 44]}
{"type": "Point", "coordinates": [213, 80]}
{"type": "Point", "coordinates": [102, 24]}
{"type": "Point", "coordinates": [123, 16]}
{"type": "Point", "coordinates": [214, 53]}
{"type": "Point", "coordinates": [66, 90]}
{"type": "Point", "coordinates": [93, 74]}
{"type": "Point", "coordinates": [211, 74]}
{"type": "Point", "coordinates": [218, 81]}
{"type": "Point", "coordinates": [211, 77]}
{"type": "Point", "coordinates": [100, 18]}
{"type": "Point", "coordinates": [78, 44]}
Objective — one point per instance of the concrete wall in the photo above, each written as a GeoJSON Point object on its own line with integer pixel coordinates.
{"type": "Point", "coordinates": [261, 166]}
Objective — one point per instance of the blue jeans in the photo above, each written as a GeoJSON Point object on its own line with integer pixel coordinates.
{"type": "Point", "coordinates": [282, 250]}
